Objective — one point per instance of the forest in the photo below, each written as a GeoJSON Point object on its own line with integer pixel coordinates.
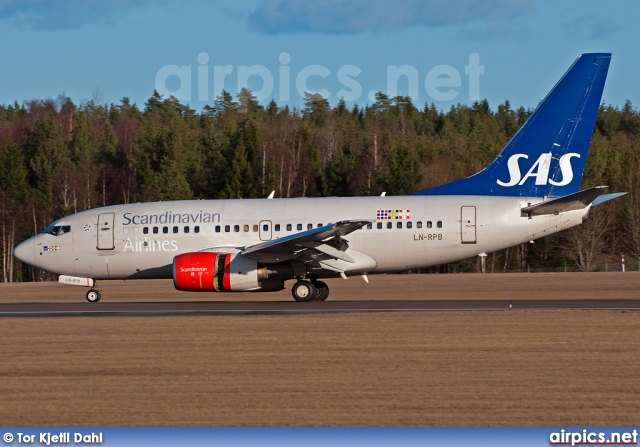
{"type": "Point", "coordinates": [57, 158]}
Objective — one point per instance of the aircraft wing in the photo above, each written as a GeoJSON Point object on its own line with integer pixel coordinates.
{"type": "Point", "coordinates": [322, 247]}
{"type": "Point", "coordinates": [575, 201]}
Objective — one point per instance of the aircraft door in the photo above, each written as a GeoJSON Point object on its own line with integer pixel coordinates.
{"type": "Point", "coordinates": [265, 230]}
{"type": "Point", "coordinates": [468, 222]}
{"type": "Point", "coordinates": [105, 231]}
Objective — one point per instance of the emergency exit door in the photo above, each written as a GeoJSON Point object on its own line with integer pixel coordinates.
{"type": "Point", "coordinates": [105, 231]}
{"type": "Point", "coordinates": [468, 222]}
{"type": "Point", "coordinates": [265, 230]}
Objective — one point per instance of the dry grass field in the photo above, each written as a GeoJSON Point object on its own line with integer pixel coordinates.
{"type": "Point", "coordinates": [509, 368]}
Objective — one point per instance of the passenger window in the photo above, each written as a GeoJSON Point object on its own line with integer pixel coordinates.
{"type": "Point", "coordinates": [399, 225]}
{"type": "Point", "coordinates": [125, 231]}
{"type": "Point", "coordinates": [439, 224]}
{"type": "Point", "coordinates": [217, 228]}
{"type": "Point", "coordinates": [277, 227]}
{"type": "Point", "coordinates": [255, 228]}
{"type": "Point", "coordinates": [429, 224]}
{"type": "Point", "coordinates": [246, 228]}
{"type": "Point", "coordinates": [175, 229]}
{"type": "Point", "coordinates": [309, 226]}
{"type": "Point", "coordinates": [265, 227]}
{"type": "Point", "coordinates": [236, 228]}
{"type": "Point", "coordinates": [379, 225]}
{"type": "Point", "coordinates": [227, 228]}
{"type": "Point", "coordinates": [369, 226]}
{"type": "Point", "coordinates": [196, 229]}
{"type": "Point", "coordinates": [155, 230]}
{"type": "Point", "coordinates": [409, 225]}
{"type": "Point", "coordinates": [145, 230]}
{"type": "Point", "coordinates": [389, 225]}
{"type": "Point", "coordinates": [165, 230]}
{"type": "Point", "coordinates": [136, 230]}
{"type": "Point", "coordinates": [319, 225]}
{"type": "Point", "coordinates": [299, 227]}
{"type": "Point", "coordinates": [186, 229]}
{"type": "Point", "coordinates": [419, 224]}
{"type": "Point", "coordinates": [288, 227]}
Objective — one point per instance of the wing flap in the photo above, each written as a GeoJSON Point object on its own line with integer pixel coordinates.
{"type": "Point", "coordinates": [329, 250]}
{"type": "Point", "coordinates": [294, 242]}
{"type": "Point", "coordinates": [333, 265]}
{"type": "Point", "coordinates": [321, 247]}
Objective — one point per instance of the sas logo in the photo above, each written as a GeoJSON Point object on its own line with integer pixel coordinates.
{"type": "Point", "coordinates": [539, 170]}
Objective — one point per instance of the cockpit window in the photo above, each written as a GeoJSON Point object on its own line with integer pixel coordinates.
{"type": "Point", "coordinates": [58, 230]}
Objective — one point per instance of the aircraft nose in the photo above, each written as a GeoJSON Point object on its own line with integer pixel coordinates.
{"type": "Point", "coordinates": [24, 252]}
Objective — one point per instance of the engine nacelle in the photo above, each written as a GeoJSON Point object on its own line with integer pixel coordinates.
{"type": "Point", "coordinates": [216, 272]}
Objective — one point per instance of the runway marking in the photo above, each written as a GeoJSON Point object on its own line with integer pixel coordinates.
{"type": "Point", "coordinates": [151, 313]}
{"type": "Point", "coordinates": [140, 309]}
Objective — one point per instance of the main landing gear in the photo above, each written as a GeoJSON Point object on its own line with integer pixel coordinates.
{"type": "Point", "coordinates": [305, 291]}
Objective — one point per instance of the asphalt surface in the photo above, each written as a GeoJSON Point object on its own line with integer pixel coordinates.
{"type": "Point", "coordinates": [182, 308]}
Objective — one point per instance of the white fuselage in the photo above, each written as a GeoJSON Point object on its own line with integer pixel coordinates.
{"type": "Point", "coordinates": [406, 232]}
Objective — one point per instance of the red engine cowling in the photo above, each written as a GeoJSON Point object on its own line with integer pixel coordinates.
{"type": "Point", "coordinates": [215, 272]}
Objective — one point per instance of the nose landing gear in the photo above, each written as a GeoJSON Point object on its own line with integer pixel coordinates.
{"type": "Point", "coordinates": [93, 296]}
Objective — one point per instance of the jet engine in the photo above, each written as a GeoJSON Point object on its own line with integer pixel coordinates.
{"type": "Point", "coordinates": [217, 272]}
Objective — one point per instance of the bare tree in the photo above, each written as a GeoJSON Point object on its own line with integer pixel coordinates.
{"type": "Point", "coordinates": [585, 243]}
{"type": "Point", "coordinates": [631, 215]}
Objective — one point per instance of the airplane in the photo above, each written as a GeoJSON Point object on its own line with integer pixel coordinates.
{"type": "Point", "coordinates": [530, 190]}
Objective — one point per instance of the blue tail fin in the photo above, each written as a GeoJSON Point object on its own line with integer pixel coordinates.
{"type": "Point", "coordinates": [546, 157]}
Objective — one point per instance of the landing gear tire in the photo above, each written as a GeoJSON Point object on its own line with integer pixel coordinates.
{"type": "Point", "coordinates": [303, 291]}
{"type": "Point", "coordinates": [322, 291]}
{"type": "Point", "coordinates": [93, 296]}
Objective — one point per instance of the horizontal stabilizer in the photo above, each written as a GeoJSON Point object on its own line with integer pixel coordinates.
{"type": "Point", "coordinates": [575, 201]}
{"type": "Point", "coordinates": [606, 197]}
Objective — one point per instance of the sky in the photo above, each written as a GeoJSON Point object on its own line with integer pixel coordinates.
{"type": "Point", "coordinates": [441, 52]}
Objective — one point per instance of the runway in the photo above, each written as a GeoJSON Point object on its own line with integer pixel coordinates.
{"type": "Point", "coordinates": [404, 350]}
{"type": "Point", "coordinates": [199, 308]}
